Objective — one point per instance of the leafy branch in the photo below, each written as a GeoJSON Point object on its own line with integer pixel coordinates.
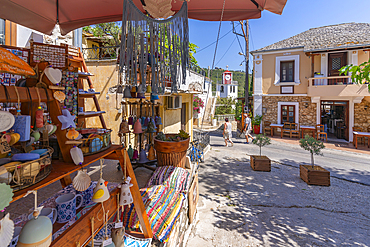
{"type": "Point", "coordinates": [261, 141]}
{"type": "Point", "coordinates": [360, 74]}
{"type": "Point", "coordinates": [313, 146]}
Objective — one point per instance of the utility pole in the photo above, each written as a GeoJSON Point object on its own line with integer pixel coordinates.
{"type": "Point", "coordinates": [246, 56]}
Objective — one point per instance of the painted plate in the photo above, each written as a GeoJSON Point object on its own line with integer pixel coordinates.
{"type": "Point", "coordinates": [6, 120]}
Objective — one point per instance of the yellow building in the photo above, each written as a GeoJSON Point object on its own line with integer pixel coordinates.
{"type": "Point", "coordinates": [297, 80]}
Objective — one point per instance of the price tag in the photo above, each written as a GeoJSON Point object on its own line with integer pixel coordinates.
{"type": "Point", "coordinates": [4, 147]}
{"type": "Point", "coordinates": [118, 225]}
{"type": "Point", "coordinates": [107, 242]}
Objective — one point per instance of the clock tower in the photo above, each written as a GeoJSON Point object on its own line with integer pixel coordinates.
{"type": "Point", "coordinates": [227, 76]}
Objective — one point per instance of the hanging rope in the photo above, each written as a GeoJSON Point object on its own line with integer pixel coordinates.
{"type": "Point", "coordinates": [214, 55]}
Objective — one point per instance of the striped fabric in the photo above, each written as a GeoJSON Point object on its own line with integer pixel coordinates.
{"type": "Point", "coordinates": [163, 199]}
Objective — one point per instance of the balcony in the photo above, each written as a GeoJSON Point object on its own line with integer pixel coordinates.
{"type": "Point", "coordinates": [335, 86]}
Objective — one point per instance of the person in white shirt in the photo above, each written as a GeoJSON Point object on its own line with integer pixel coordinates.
{"type": "Point", "coordinates": [227, 132]}
{"type": "Point", "coordinates": [247, 127]}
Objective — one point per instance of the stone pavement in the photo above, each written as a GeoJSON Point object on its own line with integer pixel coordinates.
{"type": "Point", "coordinates": [241, 207]}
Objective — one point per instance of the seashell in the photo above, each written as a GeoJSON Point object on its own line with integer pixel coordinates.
{"type": "Point", "coordinates": [6, 196]}
{"type": "Point", "coordinates": [82, 180]}
{"type": "Point", "coordinates": [59, 96]}
{"type": "Point", "coordinates": [6, 230]}
{"type": "Point", "coordinates": [72, 134]}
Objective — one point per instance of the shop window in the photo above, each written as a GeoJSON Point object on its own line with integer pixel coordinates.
{"type": "Point", "coordinates": [287, 113]}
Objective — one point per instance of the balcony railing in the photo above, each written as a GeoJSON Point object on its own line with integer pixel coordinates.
{"type": "Point", "coordinates": [100, 53]}
{"type": "Point", "coordinates": [332, 80]}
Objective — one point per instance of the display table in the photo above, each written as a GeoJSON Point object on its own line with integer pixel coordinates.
{"type": "Point", "coordinates": [311, 128]}
{"type": "Point", "coordinates": [275, 126]}
{"type": "Point", "coordinates": [361, 134]}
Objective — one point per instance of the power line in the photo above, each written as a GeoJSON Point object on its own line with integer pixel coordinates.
{"type": "Point", "coordinates": [214, 42]}
{"type": "Point", "coordinates": [226, 51]}
{"type": "Point", "coordinates": [250, 33]}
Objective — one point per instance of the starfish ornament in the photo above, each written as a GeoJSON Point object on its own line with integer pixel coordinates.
{"type": "Point", "coordinates": [67, 119]}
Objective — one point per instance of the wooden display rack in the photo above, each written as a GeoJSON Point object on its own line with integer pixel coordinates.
{"type": "Point", "coordinates": [80, 231]}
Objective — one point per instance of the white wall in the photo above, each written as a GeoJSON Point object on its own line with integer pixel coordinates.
{"type": "Point", "coordinates": [227, 90]}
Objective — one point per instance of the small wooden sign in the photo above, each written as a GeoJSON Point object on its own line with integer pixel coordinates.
{"type": "Point", "coordinates": [193, 198]}
{"type": "Point", "coordinates": [56, 87]}
{"type": "Point", "coordinates": [4, 147]}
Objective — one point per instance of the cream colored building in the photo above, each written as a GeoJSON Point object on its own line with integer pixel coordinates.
{"type": "Point", "coordinates": [297, 79]}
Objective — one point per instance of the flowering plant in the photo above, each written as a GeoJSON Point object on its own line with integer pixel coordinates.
{"type": "Point", "coordinates": [197, 104]}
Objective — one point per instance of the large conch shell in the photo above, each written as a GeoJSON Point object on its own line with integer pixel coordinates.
{"type": "Point", "coordinates": [72, 134]}
{"type": "Point", "coordinates": [59, 96]}
{"type": "Point", "coordinates": [6, 230]}
{"type": "Point", "coordinates": [82, 180]}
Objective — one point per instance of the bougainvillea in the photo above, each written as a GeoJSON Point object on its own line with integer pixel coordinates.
{"type": "Point", "coordinates": [197, 104]}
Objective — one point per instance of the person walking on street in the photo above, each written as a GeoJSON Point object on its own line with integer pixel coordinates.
{"type": "Point", "coordinates": [247, 128]}
{"type": "Point", "coordinates": [227, 132]}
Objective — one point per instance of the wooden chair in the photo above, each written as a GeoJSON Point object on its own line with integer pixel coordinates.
{"type": "Point", "coordinates": [294, 130]}
{"type": "Point", "coordinates": [320, 132]}
{"type": "Point", "coordinates": [360, 140]}
{"type": "Point", "coordinates": [267, 128]}
{"type": "Point", "coordinates": [286, 129]}
{"type": "Point", "coordinates": [340, 128]}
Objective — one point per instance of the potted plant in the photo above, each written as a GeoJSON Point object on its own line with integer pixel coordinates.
{"type": "Point", "coordinates": [256, 123]}
{"type": "Point", "coordinates": [311, 174]}
{"type": "Point", "coordinates": [171, 148]}
{"type": "Point", "coordinates": [261, 163]}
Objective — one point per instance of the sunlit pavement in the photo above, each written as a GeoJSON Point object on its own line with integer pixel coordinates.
{"type": "Point", "coordinates": [242, 207]}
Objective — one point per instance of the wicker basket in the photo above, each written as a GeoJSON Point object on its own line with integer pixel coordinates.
{"type": "Point", "coordinates": [25, 174]}
{"type": "Point", "coordinates": [89, 146]}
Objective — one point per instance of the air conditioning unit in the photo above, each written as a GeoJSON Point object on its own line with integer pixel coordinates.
{"type": "Point", "coordinates": [174, 102]}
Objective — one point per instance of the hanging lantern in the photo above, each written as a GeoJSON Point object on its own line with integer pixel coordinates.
{"type": "Point", "coordinates": [143, 158]}
{"type": "Point", "coordinates": [151, 153]}
{"type": "Point", "coordinates": [135, 156]}
{"type": "Point", "coordinates": [126, 92]}
{"type": "Point", "coordinates": [130, 152]}
{"type": "Point", "coordinates": [137, 127]}
{"type": "Point", "coordinates": [158, 120]}
{"type": "Point", "coordinates": [154, 97]}
{"type": "Point", "coordinates": [126, 197]}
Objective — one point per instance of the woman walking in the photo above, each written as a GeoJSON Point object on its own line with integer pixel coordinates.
{"type": "Point", "coordinates": [227, 132]}
{"type": "Point", "coordinates": [247, 128]}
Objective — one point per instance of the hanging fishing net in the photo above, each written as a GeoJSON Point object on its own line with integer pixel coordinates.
{"type": "Point", "coordinates": [154, 52]}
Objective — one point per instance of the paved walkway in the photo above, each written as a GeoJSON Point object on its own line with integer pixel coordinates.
{"type": "Point", "coordinates": [241, 207]}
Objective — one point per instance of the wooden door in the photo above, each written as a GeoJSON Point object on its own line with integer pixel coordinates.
{"type": "Point", "coordinates": [183, 117]}
{"type": "Point", "coordinates": [336, 61]}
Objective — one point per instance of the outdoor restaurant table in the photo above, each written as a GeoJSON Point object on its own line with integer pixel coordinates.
{"type": "Point", "coordinates": [304, 127]}
{"type": "Point", "coordinates": [277, 126]}
{"type": "Point", "coordinates": [361, 134]}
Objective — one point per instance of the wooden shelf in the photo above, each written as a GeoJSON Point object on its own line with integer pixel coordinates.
{"type": "Point", "coordinates": [61, 169]}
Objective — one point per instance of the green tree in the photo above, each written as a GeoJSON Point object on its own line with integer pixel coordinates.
{"type": "Point", "coordinates": [225, 106]}
{"type": "Point", "coordinates": [313, 146]}
{"type": "Point", "coordinates": [360, 74]}
{"type": "Point", "coordinates": [261, 141]}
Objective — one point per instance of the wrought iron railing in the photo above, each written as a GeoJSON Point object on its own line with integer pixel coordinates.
{"type": "Point", "coordinates": [221, 118]}
{"type": "Point", "coordinates": [202, 137]}
{"type": "Point", "coordinates": [101, 53]}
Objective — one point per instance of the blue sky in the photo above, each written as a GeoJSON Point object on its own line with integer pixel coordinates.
{"type": "Point", "coordinates": [298, 16]}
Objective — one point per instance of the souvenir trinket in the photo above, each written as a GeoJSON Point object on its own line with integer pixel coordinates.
{"type": "Point", "coordinates": [82, 180]}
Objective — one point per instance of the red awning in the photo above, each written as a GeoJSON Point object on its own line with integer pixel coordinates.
{"type": "Point", "coordinates": [42, 15]}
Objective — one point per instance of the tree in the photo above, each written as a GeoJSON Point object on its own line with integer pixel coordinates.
{"type": "Point", "coordinates": [360, 74]}
{"type": "Point", "coordinates": [261, 141]}
{"type": "Point", "coordinates": [225, 106]}
{"type": "Point", "coordinates": [192, 51]}
{"type": "Point", "coordinates": [313, 146]}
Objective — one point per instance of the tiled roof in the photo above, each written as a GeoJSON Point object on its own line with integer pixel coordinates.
{"type": "Point", "coordinates": [328, 37]}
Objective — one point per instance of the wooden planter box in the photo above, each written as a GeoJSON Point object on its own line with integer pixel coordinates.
{"type": "Point", "coordinates": [260, 163]}
{"type": "Point", "coordinates": [171, 153]}
{"type": "Point", "coordinates": [316, 176]}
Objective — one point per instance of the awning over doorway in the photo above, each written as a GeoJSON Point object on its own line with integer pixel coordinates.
{"type": "Point", "coordinates": [43, 15]}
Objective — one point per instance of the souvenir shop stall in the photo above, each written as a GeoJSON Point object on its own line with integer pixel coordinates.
{"type": "Point", "coordinates": [44, 139]}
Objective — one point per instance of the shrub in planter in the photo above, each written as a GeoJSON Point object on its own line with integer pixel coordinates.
{"type": "Point", "coordinates": [256, 123]}
{"type": "Point", "coordinates": [312, 174]}
{"type": "Point", "coordinates": [261, 163]}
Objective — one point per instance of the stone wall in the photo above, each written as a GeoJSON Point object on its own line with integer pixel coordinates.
{"type": "Point", "coordinates": [362, 114]}
{"type": "Point", "coordinates": [307, 116]}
